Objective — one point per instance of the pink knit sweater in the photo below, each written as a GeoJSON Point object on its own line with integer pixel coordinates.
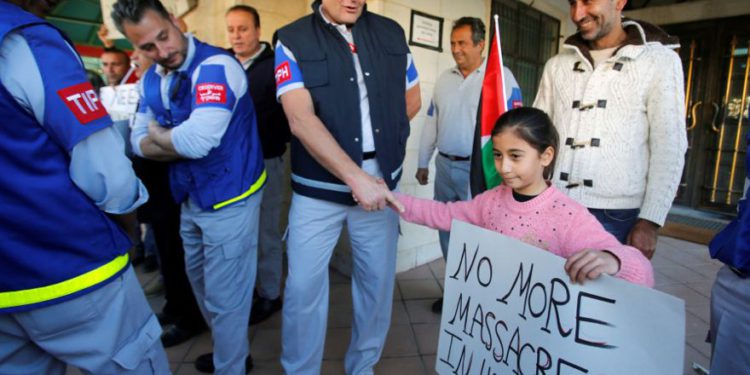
{"type": "Point", "coordinates": [550, 221]}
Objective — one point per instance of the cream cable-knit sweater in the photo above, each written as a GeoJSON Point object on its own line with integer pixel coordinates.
{"type": "Point", "coordinates": [633, 104]}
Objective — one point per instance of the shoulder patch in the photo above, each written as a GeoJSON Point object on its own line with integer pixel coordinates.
{"type": "Point", "coordinates": [283, 73]}
{"type": "Point", "coordinates": [210, 93]}
{"type": "Point", "coordinates": [82, 100]}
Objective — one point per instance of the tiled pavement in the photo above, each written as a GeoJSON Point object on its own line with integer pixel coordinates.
{"type": "Point", "coordinates": [683, 269]}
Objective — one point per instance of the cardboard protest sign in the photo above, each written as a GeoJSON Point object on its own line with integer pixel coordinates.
{"type": "Point", "coordinates": [120, 101]}
{"type": "Point", "coordinates": [509, 308]}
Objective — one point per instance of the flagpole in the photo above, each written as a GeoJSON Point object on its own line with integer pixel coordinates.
{"type": "Point", "coordinates": [500, 57]}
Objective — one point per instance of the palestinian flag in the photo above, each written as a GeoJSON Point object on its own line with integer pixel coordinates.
{"type": "Point", "coordinates": [492, 104]}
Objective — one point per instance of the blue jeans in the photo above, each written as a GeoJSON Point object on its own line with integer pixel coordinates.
{"type": "Point", "coordinates": [619, 222]}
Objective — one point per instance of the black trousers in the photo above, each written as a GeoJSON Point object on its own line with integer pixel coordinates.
{"type": "Point", "coordinates": [164, 216]}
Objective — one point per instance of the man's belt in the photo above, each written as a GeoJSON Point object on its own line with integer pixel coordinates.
{"type": "Point", "coordinates": [454, 157]}
{"type": "Point", "coordinates": [368, 155]}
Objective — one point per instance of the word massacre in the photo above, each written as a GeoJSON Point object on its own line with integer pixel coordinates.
{"type": "Point", "coordinates": [536, 301]}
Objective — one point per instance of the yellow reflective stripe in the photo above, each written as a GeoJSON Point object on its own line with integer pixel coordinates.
{"type": "Point", "coordinates": [253, 188]}
{"type": "Point", "coordinates": [64, 288]}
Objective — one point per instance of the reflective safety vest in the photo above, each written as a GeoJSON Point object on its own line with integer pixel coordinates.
{"type": "Point", "coordinates": [230, 172]}
{"type": "Point", "coordinates": [55, 243]}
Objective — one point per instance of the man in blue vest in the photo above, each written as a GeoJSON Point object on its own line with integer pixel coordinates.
{"type": "Point", "coordinates": [67, 193]}
{"type": "Point", "coordinates": [348, 86]}
{"type": "Point", "coordinates": [196, 113]}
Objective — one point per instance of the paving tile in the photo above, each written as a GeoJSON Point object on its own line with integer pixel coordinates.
{"type": "Point", "coordinates": [660, 260]}
{"type": "Point", "coordinates": [692, 260]}
{"type": "Point", "coordinates": [332, 367]}
{"type": "Point", "coordinates": [156, 302]}
{"type": "Point", "coordinates": [400, 366]}
{"type": "Point", "coordinates": [178, 353]}
{"type": "Point", "coordinates": [427, 336]}
{"type": "Point", "coordinates": [429, 364]}
{"type": "Point", "coordinates": [396, 292]}
{"type": "Point", "coordinates": [337, 277]}
{"type": "Point", "coordinates": [420, 273]}
{"type": "Point", "coordinates": [145, 278]}
{"type": "Point", "coordinates": [337, 341]}
{"type": "Point", "coordinates": [340, 294]}
{"type": "Point", "coordinates": [438, 268]}
{"type": "Point", "coordinates": [661, 280]}
{"type": "Point", "coordinates": [270, 367]}
{"type": "Point", "coordinates": [682, 274]}
{"type": "Point", "coordinates": [420, 311]}
{"type": "Point", "coordinates": [701, 310]}
{"type": "Point", "coordinates": [692, 355]}
{"type": "Point", "coordinates": [709, 269]}
{"type": "Point", "coordinates": [274, 321]}
{"type": "Point", "coordinates": [400, 343]}
{"type": "Point", "coordinates": [704, 288]}
{"type": "Point", "coordinates": [188, 369]}
{"type": "Point", "coordinates": [266, 345]}
{"type": "Point", "coordinates": [201, 345]}
{"type": "Point", "coordinates": [399, 316]}
{"type": "Point", "coordinates": [340, 316]}
{"type": "Point", "coordinates": [695, 326]}
{"type": "Point", "coordinates": [698, 342]}
{"type": "Point", "coordinates": [691, 297]}
{"type": "Point", "coordinates": [420, 289]}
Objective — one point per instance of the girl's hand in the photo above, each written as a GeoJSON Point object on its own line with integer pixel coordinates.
{"type": "Point", "coordinates": [590, 264]}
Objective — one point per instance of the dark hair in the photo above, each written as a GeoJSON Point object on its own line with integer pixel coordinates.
{"type": "Point", "coordinates": [132, 11]}
{"type": "Point", "coordinates": [247, 9]}
{"type": "Point", "coordinates": [118, 51]}
{"type": "Point", "coordinates": [533, 126]}
{"type": "Point", "coordinates": [477, 27]}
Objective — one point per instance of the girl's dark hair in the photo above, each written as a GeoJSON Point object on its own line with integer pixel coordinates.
{"type": "Point", "coordinates": [533, 126]}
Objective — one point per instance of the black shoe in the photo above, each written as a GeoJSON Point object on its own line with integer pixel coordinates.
{"type": "Point", "coordinates": [437, 306]}
{"type": "Point", "coordinates": [205, 363]}
{"type": "Point", "coordinates": [175, 335]}
{"type": "Point", "coordinates": [150, 264]}
{"type": "Point", "coordinates": [263, 308]}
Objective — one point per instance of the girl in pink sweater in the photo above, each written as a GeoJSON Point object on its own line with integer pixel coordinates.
{"type": "Point", "coordinates": [527, 208]}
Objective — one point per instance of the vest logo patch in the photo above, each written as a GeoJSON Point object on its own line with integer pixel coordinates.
{"type": "Point", "coordinates": [516, 104]}
{"type": "Point", "coordinates": [82, 100]}
{"type": "Point", "coordinates": [210, 93]}
{"type": "Point", "coordinates": [283, 73]}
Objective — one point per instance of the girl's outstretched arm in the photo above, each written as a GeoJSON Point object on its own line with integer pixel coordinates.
{"type": "Point", "coordinates": [438, 215]}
